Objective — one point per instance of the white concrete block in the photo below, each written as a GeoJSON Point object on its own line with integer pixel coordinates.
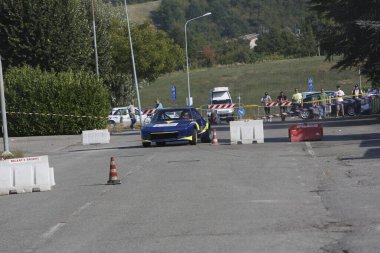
{"type": "Point", "coordinates": [5, 180]}
{"type": "Point", "coordinates": [247, 131]}
{"type": "Point", "coordinates": [246, 134]}
{"type": "Point", "coordinates": [235, 134]}
{"type": "Point", "coordinates": [25, 174]}
{"type": "Point", "coordinates": [95, 136]}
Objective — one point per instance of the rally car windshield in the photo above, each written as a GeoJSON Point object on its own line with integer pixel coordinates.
{"type": "Point", "coordinates": [165, 115]}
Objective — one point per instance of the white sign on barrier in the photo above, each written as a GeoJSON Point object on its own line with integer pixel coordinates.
{"type": "Point", "coordinates": [26, 174]}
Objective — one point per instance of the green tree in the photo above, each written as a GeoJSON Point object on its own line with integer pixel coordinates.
{"type": "Point", "coordinates": [351, 29]}
{"type": "Point", "coordinates": [156, 53]}
{"type": "Point", "coordinates": [51, 34]}
{"type": "Point", "coordinates": [103, 15]}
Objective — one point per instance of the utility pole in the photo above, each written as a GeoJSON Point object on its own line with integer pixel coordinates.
{"type": "Point", "coordinates": [95, 45]}
{"type": "Point", "coordinates": [3, 111]}
{"type": "Point", "coordinates": [133, 62]}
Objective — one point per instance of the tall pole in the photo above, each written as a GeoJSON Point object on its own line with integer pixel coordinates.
{"type": "Point", "coordinates": [187, 68]}
{"type": "Point", "coordinates": [360, 79]}
{"type": "Point", "coordinates": [3, 111]}
{"type": "Point", "coordinates": [187, 58]}
{"type": "Point", "coordinates": [95, 45]}
{"type": "Point", "coordinates": [133, 62]}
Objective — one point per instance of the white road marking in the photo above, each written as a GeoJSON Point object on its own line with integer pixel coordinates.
{"type": "Point", "coordinates": [80, 209]}
{"type": "Point", "coordinates": [52, 230]}
{"type": "Point", "coordinates": [45, 236]}
{"type": "Point", "coordinates": [266, 201]}
{"type": "Point", "coordinates": [310, 149]}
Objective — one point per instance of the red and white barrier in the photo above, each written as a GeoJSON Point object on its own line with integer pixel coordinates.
{"type": "Point", "coordinates": [222, 106]}
{"type": "Point", "coordinates": [150, 111]}
{"type": "Point", "coordinates": [271, 104]}
{"type": "Point", "coordinates": [287, 103]}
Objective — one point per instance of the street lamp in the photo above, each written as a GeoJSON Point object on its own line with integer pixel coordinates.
{"type": "Point", "coordinates": [189, 103]}
{"type": "Point", "coordinates": [3, 111]}
{"type": "Point", "coordinates": [95, 45]}
{"type": "Point", "coordinates": [133, 61]}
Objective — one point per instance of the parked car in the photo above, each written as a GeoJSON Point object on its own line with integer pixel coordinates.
{"type": "Point", "coordinates": [121, 116]}
{"type": "Point", "coordinates": [176, 124]}
{"type": "Point", "coordinates": [310, 109]}
{"type": "Point", "coordinates": [114, 109]}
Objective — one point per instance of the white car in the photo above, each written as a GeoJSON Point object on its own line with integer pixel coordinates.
{"type": "Point", "coordinates": [121, 116]}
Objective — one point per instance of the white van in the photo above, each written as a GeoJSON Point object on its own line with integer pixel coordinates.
{"type": "Point", "coordinates": [221, 96]}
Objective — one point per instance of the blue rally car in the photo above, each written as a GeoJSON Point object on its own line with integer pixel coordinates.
{"type": "Point", "coordinates": [176, 124]}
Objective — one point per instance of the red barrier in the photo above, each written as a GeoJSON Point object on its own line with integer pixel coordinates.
{"type": "Point", "coordinates": [305, 132]}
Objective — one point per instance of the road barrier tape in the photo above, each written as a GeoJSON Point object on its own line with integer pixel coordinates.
{"type": "Point", "coordinates": [288, 103]}
{"type": "Point", "coordinates": [345, 101]}
{"type": "Point", "coordinates": [57, 114]}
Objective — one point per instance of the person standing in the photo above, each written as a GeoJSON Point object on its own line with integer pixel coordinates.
{"type": "Point", "coordinates": [322, 97]}
{"type": "Point", "coordinates": [339, 94]}
{"type": "Point", "coordinates": [280, 99]}
{"type": "Point", "coordinates": [264, 100]}
{"type": "Point", "coordinates": [158, 104]}
{"type": "Point", "coordinates": [297, 100]}
{"type": "Point", "coordinates": [356, 95]}
{"type": "Point", "coordinates": [132, 116]}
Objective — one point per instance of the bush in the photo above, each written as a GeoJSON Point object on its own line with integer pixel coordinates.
{"type": "Point", "coordinates": [32, 96]}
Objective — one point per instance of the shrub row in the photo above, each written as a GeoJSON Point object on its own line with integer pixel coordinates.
{"type": "Point", "coordinates": [30, 90]}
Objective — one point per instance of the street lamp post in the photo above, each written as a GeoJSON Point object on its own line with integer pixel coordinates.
{"type": "Point", "coordinates": [95, 45]}
{"type": "Point", "coordinates": [3, 111]}
{"type": "Point", "coordinates": [133, 62]}
{"type": "Point", "coordinates": [189, 103]}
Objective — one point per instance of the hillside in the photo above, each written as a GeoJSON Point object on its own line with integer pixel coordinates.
{"type": "Point", "coordinates": [138, 13]}
{"type": "Point", "coordinates": [250, 81]}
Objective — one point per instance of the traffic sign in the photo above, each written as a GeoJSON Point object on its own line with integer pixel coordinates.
{"type": "Point", "coordinates": [310, 83]}
{"type": "Point", "coordinates": [174, 92]}
{"type": "Point", "coordinates": [241, 111]}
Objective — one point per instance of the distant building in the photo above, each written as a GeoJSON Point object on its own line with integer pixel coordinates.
{"type": "Point", "coordinates": [252, 39]}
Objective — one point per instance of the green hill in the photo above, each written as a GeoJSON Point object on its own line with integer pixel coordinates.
{"type": "Point", "coordinates": [250, 81]}
{"type": "Point", "coordinates": [138, 13]}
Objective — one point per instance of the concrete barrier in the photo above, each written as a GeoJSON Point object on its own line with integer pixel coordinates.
{"type": "Point", "coordinates": [95, 136]}
{"type": "Point", "coordinates": [27, 174]}
{"type": "Point", "coordinates": [247, 131]}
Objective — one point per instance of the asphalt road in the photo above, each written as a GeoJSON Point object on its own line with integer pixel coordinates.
{"type": "Point", "coordinates": [272, 197]}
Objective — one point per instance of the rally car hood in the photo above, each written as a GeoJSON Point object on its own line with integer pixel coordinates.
{"type": "Point", "coordinates": [168, 124]}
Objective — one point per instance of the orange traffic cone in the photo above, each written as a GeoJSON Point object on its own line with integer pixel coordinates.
{"type": "Point", "coordinates": [113, 173]}
{"type": "Point", "coordinates": [214, 138]}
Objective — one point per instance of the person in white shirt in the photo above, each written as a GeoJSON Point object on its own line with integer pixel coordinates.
{"type": "Point", "coordinates": [264, 100]}
{"type": "Point", "coordinates": [132, 116]}
{"type": "Point", "coordinates": [339, 94]}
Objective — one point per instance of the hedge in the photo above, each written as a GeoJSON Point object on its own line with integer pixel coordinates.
{"type": "Point", "coordinates": [32, 96]}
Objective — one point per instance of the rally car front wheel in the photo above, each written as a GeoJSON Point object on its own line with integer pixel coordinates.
{"type": "Point", "coordinates": [206, 138]}
{"type": "Point", "coordinates": [194, 139]}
